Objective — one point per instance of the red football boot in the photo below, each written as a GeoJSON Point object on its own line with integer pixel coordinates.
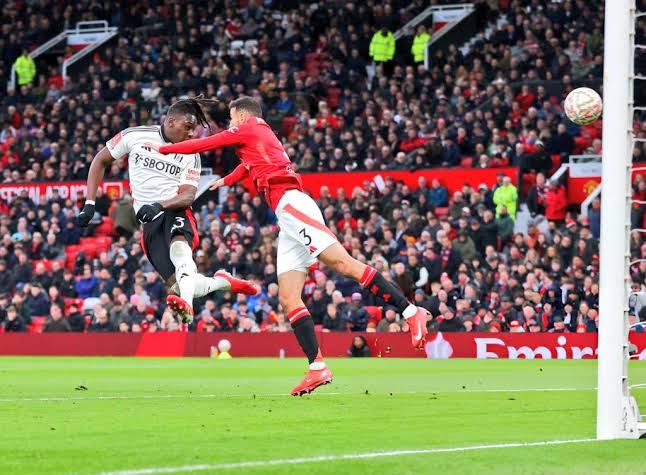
{"type": "Point", "coordinates": [418, 331]}
{"type": "Point", "coordinates": [238, 286]}
{"type": "Point", "coordinates": [312, 380]}
{"type": "Point", "coordinates": [178, 305]}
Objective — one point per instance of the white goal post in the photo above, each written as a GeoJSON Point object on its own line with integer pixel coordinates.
{"type": "Point", "coordinates": [618, 416]}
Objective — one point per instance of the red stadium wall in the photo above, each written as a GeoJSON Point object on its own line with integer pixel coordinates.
{"type": "Point", "coordinates": [393, 345]}
{"type": "Point", "coordinates": [453, 178]}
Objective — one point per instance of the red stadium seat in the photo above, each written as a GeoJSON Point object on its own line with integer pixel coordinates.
{"type": "Point", "coordinates": [72, 301]}
{"type": "Point", "coordinates": [466, 162]}
{"type": "Point", "coordinates": [441, 212]}
{"type": "Point", "coordinates": [106, 228]}
{"type": "Point", "coordinates": [90, 250]}
{"type": "Point", "coordinates": [37, 324]}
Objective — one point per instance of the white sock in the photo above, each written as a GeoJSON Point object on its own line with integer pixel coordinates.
{"type": "Point", "coordinates": [181, 256]}
{"type": "Point", "coordinates": [317, 365]}
{"type": "Point", "coordinates": [409, 311]}
{"type": "Point", "coordinates": [205, 285]}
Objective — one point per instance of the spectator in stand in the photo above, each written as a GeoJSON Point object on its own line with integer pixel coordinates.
{"type": "Point", "coordinates": [13, 322]}
{"type": "Point", "coordinates": [449, 323]}
{"type": "Point", "coordinates": [555, 202]}
{"type": "Point", "coordinates": [331, 321]}
{"type": "Point", "coordinates": [358, 317]}
{"type": "Point", "coordinates": [536, 196]}
{"type": "Point", "coordinates": [101, 323]}
{"type": "Point", "coordinates": [88, 285]}
{"type": "Point", "coordinates": [506, 197]}
{"type": "Point", "coordinates": [56, 322]}
{"type": "Point", "coordinates": [75, 319]}
{"type": "Point", "coordinates": [389, 318]}
{"type": "Point", "coordinates": [124, 217]}
{"type": "Point", "coordinates": [37, 300]}
{"type": "Point", "coordinates": [594, 215]}
{"type": "Point", "coordinates": [438, 196]}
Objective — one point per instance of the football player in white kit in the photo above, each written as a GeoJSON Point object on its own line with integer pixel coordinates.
{"type": "Point", "coordinates": [163, 190]}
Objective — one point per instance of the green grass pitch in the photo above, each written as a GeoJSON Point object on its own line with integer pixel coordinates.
{"type": "Point", "coordinates": [123, 415]}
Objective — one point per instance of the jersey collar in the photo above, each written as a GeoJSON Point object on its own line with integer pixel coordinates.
{"type": "Point", "coordinates": [163, 135]}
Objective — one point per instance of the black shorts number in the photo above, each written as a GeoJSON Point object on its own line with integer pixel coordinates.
{"type": "Point", "coordinates": [307, 237]}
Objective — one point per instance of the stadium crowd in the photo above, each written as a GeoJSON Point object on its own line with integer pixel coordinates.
{"type": "Point", "coordinates": [311, 68]}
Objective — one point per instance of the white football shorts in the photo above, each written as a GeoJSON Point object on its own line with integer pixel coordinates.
{"type": "Point", "coordinates": [303, 233]}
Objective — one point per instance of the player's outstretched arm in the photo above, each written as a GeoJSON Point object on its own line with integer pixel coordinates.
{"type": "Point", "coordinates": [222, 139]}
{"type": "Point", "coordinates": [238, 174]}
{"type": "Point", "coordinates": [101, 161]}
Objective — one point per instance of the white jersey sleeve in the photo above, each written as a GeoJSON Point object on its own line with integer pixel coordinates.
{"type": "Point", "coordinates": [191, 173]}
{"type": "Point", "coordinates": [119, 145]}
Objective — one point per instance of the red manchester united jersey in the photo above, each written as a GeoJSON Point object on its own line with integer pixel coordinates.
{"type": "Point", "coordinates": [261, 154]}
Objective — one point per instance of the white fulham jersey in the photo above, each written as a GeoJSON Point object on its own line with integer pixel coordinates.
{"type": "Point", "coordinates": [153, 177]}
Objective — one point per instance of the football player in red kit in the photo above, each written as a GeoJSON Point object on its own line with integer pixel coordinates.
{"type": "Point", "coordinates": [303, 236]}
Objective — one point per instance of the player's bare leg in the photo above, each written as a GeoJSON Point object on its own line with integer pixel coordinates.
{"type": "Point", "coordinates": [290, 288]}
{"type": "Point", "coordinates": [337, 258]}
{"type": "Point", "coordinates": [189, 284]}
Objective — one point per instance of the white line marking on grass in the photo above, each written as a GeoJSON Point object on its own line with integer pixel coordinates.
{"type": "Point", "coordinates": [251, 394]}
{"type": "Point", "coordinates": [332, 458]}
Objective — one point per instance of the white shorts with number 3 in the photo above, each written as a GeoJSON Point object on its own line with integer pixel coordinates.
{"type": "Point", "coordinates": [303, 233]}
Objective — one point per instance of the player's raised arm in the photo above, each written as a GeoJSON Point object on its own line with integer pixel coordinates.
{"type": "Point", "coordinates": [101, 161]}
{"type": "Point", "coordinates": [222, 139]}
{"type": "Point", "coordinates": [238, 174]}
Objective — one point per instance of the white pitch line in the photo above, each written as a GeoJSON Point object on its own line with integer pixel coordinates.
{"type": "Point", "coordinates": [332, 458]}
{"type": "Point", "coordinates": [251, 395]}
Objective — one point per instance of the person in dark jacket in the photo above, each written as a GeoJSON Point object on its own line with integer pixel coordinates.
{"type": "Point", "coordinates": [536, 196]}
{"type": "Point", "coordinates": [75, 319]}
{"type": "Point", "coordinates": [22, 271]}
{"type": "Point", "coordinates": [13, 323]}
{"type": "Point", "coordinates": [332, 322]}
{"type": "Point", "coordinates": [489, 230]}
{"type": "Point", "coordinates": [358, 316]}
{"type": "Point", "coordinates": [318, 306]}
{"type": "Point", "coordinates": [450, 324]}
{"type": "Point", "coordinates": [359, 348]}
{"type": "Point", "coordinates": [37, 301]}
{"type": "Point", "coordinates": [56, 322]}
{"type": "Point", "coordinates": [102, 323]}
{"type": "Point", "coordinates": [6, 278]}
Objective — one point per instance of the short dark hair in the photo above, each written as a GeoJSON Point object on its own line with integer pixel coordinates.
{"type": "Point", "coordinates": [193, 106]}
{"type": "Point", "coordinates": [248, 104]}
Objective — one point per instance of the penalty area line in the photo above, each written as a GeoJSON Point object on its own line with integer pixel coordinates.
{"type": "Point", "coordinates": [334, 458]}
{"type": "Point", "coordinates": [251, 394]}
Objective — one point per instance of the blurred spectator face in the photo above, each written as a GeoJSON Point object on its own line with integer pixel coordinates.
{"type": "Point", "coordinates": [55, 312]}
{"type": "Point", "coordinates": [123, 327]}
